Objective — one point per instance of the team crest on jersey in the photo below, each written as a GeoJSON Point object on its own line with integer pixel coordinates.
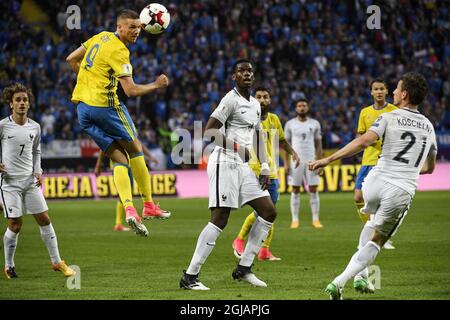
{"type": "Point", "coordinates": [126, 68]}
{"type": "Point", "coordinates": [224, 197]}
{"type": "Point", "coordinates": [377, 122]}
{"type": "Point", "coordinates": [31, 137]}
{"type": "Point", "coordinates": [224, 109]}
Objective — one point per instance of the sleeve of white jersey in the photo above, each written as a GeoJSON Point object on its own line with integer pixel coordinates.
{"type": "Point", "coordinates": [287, 132]}
{"type": "Point", "coordinates": [223, 110]}
{"type": "Point", "coordinates": [37, 152]}
{"type": "Point", "coordinates": [318, 133]}
{"type": "Point", "coordinates": [433, 147]}
{"type": "Point", "coordinates": [379, 126]}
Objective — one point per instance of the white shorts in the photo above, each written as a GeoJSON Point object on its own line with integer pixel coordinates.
{"type": "Point", "coordinates": [232, 185]}
{"type": "Point", "coordinates": [389, 203]}
{"type": "Point", "coordinates": [20, 195]}
{"type": "Point", "coordinates": [302, 174]}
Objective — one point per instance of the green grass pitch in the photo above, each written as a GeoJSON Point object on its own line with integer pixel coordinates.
{"type": "Point", "coordinates": [125, 266]}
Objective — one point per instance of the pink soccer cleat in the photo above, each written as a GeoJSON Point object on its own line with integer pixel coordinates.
{"type": "Point", "coordinates": [153, 211]}
{"type": "Point", "coordinates": [134, 221]}
{"type": "Point", "coordinates": [238, 246]}
{"type": "Point", "coordinates": [265, 254]}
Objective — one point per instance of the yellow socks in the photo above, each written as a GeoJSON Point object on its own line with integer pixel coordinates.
{"type": "Point", "coordinates": [123, 184]}
{"type": "Point", "coordinates": [363, 217]}
{"type": "Point", "coordinates": [245, 229]}
{"type": "Point", "coordinates": [141, 175]}
{"type": "Point", "coordinates": [266, 243]}
{"type": "Point", "coordinates": [120, 213]}
{"type": "Point", "coordinates": [247, 225]}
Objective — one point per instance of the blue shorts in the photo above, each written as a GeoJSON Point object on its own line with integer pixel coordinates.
{"type": "Point", "coordinates": [106, 124]}
{"type": "Point", "coordinates": [273, 190]}
{"type": "Point", "coordinates": [363, 172]}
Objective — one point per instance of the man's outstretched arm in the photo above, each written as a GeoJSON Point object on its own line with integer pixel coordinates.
{"type": "Point", "coordinates": [74, 59]}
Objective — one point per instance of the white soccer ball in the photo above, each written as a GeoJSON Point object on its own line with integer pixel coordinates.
{"type": "Point", "coordinates": [155, 18]}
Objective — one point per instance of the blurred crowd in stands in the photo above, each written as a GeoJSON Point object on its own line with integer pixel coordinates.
{"type": "Point", "coordinates": [319, 50]}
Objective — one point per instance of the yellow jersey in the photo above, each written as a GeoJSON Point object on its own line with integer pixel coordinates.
{"type": "Point", "coordinates": [106, 59]}
{"type": "Point", "coordinates": [272, 129]}
{"type": "Point", "coordinates": [366, 118]}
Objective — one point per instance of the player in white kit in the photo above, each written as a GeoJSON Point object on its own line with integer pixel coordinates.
{"type": "Point", "coordinates": [232, 183]}
{"type": "Point", "coordinates": [409, 149]}
{"type": "Point", "coordinates": [304, 134]}
{"type": "Point", "coordinates": [21, 177]}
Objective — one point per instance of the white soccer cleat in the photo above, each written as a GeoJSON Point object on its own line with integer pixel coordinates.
{"type": "Point", "coordinates": [389, 245]}
{"type": "Point", "coordinates": [245, 274]}
{"type": "Point", "coordinates": [191, 282]}
{"type": "Point", "coordinates": [253, 280]}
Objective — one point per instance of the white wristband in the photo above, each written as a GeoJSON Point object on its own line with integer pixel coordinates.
{"type": "Point", "coordinates": [265, 170]}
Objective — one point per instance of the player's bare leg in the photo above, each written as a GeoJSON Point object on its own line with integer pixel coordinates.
{"type": "Point", "coordinates": [258, 233]}
{"type": "Point", "coordinates": [142, 177]}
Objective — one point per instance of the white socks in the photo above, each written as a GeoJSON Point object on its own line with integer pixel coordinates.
{"type": "Point", "coordinates": [360, 260]}
{"type": "Point", "coordinates": [295, 205]}
{"type": "Point", "coordinates": [49, 237]}
{"type": "Point", "coordinates": [9, 244]}
{"type": "Point", "coordinates": [364, 237]}
{"type": "Point", "coordinates": [258, 234]}
{"type": "Point", "coordinates": [314, 202]}
{"type": "Point", "coordinates": [205, 244]}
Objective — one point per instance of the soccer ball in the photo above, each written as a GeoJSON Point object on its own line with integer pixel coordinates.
{"type": "Point", "coordinates": [155, 18]}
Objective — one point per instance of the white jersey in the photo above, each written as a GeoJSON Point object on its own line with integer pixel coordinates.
{"type": "Point", "coordinates": [408, 137]}
{"type": "Point", "coordinates": [240, 118]}
{"type": "Point", "coordinates": [20, 148]}
{"type": "Point", "coordinates": [302, 136]}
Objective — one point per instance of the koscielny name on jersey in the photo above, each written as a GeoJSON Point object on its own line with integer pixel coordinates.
{"type": "Point", "coordinates": [406, 122]}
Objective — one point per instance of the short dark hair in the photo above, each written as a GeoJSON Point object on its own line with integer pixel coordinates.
{"type": "Point", "coordinates": [9, 92]}
{"type": "Point", "coordinates": [301, 100]}
{"type": "Point", "coordinates": [127, 14]}
{"type": "Point", "coordinates": [262, 88]}
{"type": "Point", "coordinates": [416, 86]}
{"type": "Point", "coordinates": [379, 80]}
{"type": "Point", "coordinates": [238, 62]}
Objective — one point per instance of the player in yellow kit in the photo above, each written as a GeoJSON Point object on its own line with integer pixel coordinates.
{"type": "Point", "coordinates": [272, 130]}
{"type": "Point", "coordinates": [367, 116]}
{"type": "Point", "coordinates": [101, 63]}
